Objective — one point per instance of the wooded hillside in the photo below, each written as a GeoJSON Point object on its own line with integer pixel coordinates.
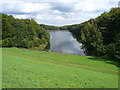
{"type": "Point", "coordinates": [23, 33]}
{"type": "Point", "coordinates": [100, 36]}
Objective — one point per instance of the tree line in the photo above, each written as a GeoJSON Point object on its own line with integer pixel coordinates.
{"type": "Point", "coordinates": [23, 33]}
{"type": "Point", "coordinates": [100, 36]}
{"type": "Point", "coordinates": [51, 27]}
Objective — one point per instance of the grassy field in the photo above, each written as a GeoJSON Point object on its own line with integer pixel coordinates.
{"type": "Point", "coordinates": [36, 69]}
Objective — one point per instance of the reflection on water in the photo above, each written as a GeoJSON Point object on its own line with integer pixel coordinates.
{"type": "Point", "coordinates": [63, 42]}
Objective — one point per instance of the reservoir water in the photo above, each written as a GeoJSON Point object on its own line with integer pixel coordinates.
{"type": "Point", "coordinates": [63, 42]}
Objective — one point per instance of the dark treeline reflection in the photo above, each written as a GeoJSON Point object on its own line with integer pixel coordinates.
{"type": "Point", "coordinates": [63, 42]}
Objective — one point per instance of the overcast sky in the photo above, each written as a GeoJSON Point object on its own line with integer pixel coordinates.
{"type": "Point", "coordinates": [57, 12]}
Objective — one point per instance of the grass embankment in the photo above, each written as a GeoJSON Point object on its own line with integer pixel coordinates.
{"type": "Point", "coordinates": [35, 69]}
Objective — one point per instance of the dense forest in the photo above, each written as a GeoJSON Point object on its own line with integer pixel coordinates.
{"type": "Point", "coordinates": [100, 36]}
{"type": "Point", "coordinates": [23, 33]}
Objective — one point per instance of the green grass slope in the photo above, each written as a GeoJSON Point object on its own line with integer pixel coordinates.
{"type": "Point", "coordinates": [36, 69]}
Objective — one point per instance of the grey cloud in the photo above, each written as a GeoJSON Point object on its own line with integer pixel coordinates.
{"type": "Point", "coordinates": [15, 12]}
{"type": "Point", "coordinates": [48, 16]}
{"type": "Point", "coordinates": [61, 7]}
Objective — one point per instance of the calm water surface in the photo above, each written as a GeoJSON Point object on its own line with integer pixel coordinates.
{"type": "Point", "coordinates": [63, 42]}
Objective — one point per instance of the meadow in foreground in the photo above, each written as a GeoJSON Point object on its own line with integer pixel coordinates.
{"type": "Point", "coordinates": [24, 68]}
